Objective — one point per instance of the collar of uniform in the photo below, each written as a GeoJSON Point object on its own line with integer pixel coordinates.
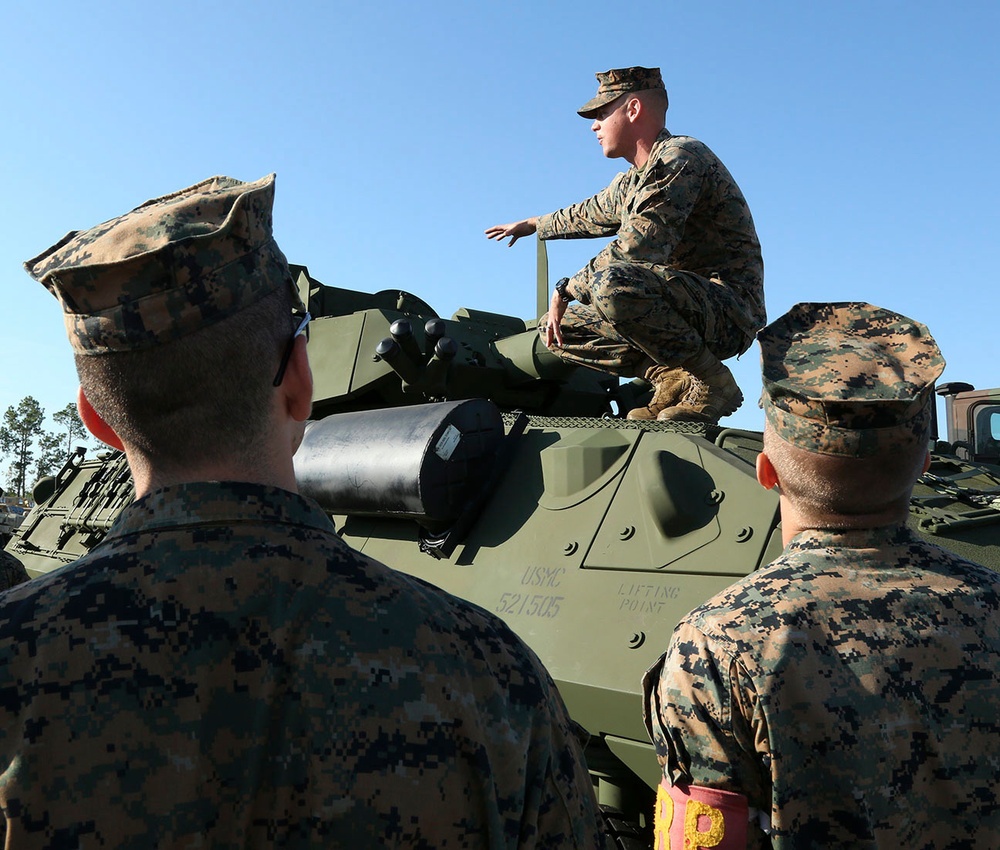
{"type": "Point", "coordinates": [850, 538]}
{"type": "Point", "coordinates": [662, 138]}
{"type": "Point", "coordinates": [216, 502]}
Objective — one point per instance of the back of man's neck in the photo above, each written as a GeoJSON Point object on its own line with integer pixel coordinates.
{"type": "Point", "coordinates": [148, 477]}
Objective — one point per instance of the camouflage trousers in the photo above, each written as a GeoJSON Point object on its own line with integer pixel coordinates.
{"type": "Point", "coordinates": [639, 314]}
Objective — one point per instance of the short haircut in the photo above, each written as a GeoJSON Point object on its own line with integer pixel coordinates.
{"type": "Point", "coordinates": [821, 484]}
{"type": "Point", "coordinates": [655, 100]}
{"type": "Point", "coordinates": [204, 396]}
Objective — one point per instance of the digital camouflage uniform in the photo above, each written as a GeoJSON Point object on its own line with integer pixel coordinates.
{"type": "Point", "coordinates": [222, 670]}
{"type": "Point", "coordinates": [684, 269]}
{"type": "Point", "coordinates": [850, 689]}
{"type": "Point", "coordinates": [12, 571]}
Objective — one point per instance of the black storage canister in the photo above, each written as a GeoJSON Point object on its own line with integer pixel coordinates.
{"type": "Point", "coordinates": [423, 462]}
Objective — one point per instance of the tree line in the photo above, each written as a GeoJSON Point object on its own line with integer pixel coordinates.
{"type": "Point", "coordinates": [32, 450]}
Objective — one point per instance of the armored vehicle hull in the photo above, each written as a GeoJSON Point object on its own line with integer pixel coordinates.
{"type": "Point", "coordinates": [461, 451]}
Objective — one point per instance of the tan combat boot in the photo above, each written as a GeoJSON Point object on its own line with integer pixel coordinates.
{"type": "Point", "coordinates": [711, 394]}
{"type": "Point", "coordinates": [669, 385]}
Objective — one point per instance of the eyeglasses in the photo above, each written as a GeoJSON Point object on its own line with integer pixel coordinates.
{"type": "Point", "coordinates": [302, 328]}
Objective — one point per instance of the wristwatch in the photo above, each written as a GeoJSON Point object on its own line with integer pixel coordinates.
{"type": "Point", "coordinates": [561, 290]}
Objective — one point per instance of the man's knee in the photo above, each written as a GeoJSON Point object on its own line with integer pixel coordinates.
{"type": "Point", "coordinates": [624, 293]}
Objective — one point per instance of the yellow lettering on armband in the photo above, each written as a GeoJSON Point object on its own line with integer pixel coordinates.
{"type": "Point", "coordinates": [695, 837]}
{"type": "Point", "coordinates": [663, 817]}
{"type": "Point", "coordinates": [694, 817]}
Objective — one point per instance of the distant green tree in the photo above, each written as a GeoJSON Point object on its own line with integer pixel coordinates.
{"type": "Point", "coordinates": [52, 454]}
{"type": "Point", "coordinates": [69, 420]}
{"type": "Point", "coordinates": [22, 425]}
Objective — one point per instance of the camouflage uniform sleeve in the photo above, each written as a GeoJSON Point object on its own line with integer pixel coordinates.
{"type": "Point", "coordinates": [561, 808]}
{"type": "Point", "coordinates": [704, 718]}
{"type": "Point", "coordinates": [558, 807]}
{"type": "Point", "coordinates": [597, 216]}
{"type": "Point", "coordinates": [568, 814]}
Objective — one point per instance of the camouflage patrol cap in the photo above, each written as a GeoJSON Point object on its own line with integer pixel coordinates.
{"type": "Point", "coordinates": [618, 81]}
{"type": "Point", "coordinates": [848, 379]}
{"type": "Point", "coordinates": [169, 267]}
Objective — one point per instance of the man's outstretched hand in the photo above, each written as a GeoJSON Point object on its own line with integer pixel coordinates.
{"type": "Point", "coordinates": [515, 230]}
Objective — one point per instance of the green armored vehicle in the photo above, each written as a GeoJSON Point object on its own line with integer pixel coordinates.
{"type": "Point", "coordinates": [462, 451]}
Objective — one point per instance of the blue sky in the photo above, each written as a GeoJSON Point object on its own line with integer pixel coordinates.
{"type": "Point", "coordinates": [864, 135]}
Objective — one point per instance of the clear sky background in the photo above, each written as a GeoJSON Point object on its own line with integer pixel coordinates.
{"type": "Point", "coordinates": [864, 135]}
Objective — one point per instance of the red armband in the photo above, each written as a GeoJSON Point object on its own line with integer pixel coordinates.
{"type": "Point", "coordinates": [690, 817]}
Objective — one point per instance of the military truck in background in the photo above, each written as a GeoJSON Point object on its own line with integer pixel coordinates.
{"type": "Point", "coordinates": [11, 517]}
{"type": "Point", "coordinates": [462, 451]}
{"type": "Point", "coordinates": [973, 421]}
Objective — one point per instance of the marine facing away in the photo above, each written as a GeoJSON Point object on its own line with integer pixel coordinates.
{"type": "Point", "coordinates": [681, 286]}
{"type": "Point", "coordinates": [222, 669]}
{"type": "Point", "coordinates": [848, 694]}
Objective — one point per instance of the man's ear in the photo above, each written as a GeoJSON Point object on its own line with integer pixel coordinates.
{"type": "Point", "coordinates": [766, 475]}
{"type": "Point", "coordinates": [927, 462]}
{"type": "Point", "coordinates": [298, 382]}
{"type": "Point", "coordinates": [94, 423]}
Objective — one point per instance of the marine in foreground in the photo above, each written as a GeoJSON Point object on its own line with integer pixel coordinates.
{"type": "Point", "coordinates": [848, 695]}
{"type": "Point", "coordinates": [222, 669]}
